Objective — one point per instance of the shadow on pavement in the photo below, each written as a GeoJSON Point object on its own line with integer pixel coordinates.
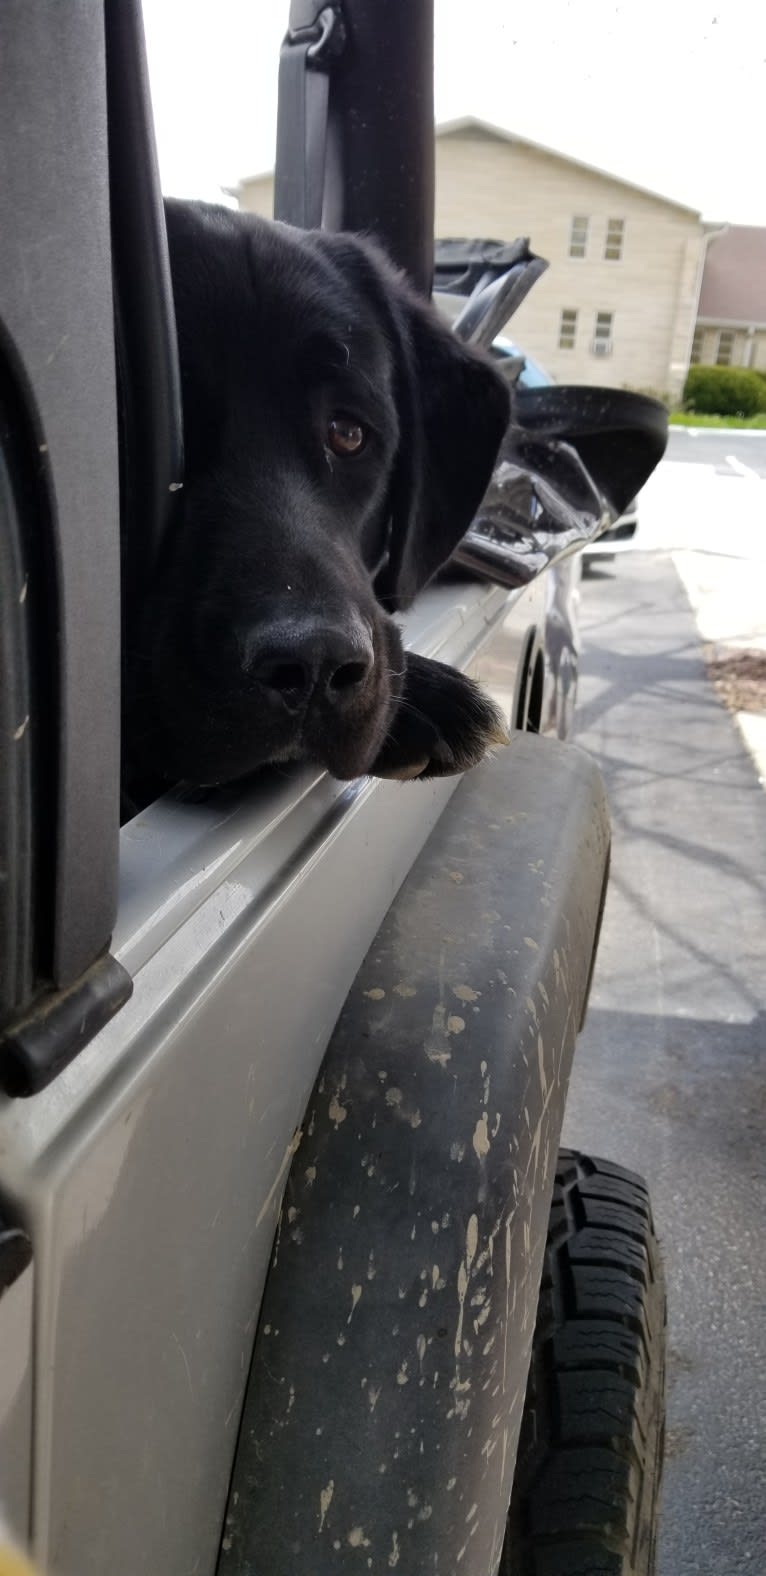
{"type": "Point", "coordinates": [670, 1072]}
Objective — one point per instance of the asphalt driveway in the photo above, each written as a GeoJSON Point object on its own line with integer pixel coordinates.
{"type": "Point", "coordinates": [670, 1074]}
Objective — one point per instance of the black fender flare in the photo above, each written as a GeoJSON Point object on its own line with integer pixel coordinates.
{"type": "Point", "coordinates": [383, 1408]}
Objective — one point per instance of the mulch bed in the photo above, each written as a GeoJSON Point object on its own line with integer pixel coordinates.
{"type": "Point", "coordinates": [739, 677]}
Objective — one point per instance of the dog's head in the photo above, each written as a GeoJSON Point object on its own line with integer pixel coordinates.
{"type": "Point", "coordinates": [338, 441]}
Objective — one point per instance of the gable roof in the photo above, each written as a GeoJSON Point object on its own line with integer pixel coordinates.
{"type": "Point", "coordinates": [734, 276]}
{"type": "Point", "coordinates": [472, 123]}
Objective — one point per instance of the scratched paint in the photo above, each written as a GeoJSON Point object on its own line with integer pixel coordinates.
{"type": "Point", "coordinates": [286, 1158]}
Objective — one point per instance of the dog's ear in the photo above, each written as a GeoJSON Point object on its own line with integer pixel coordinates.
{"type": "Point", "coordinates": [453, 411]}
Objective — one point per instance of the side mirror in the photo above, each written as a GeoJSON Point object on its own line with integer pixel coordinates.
{"type": "Point", "coordinates": [569, 464]}
{"type": "Point", "coordinates": [619, 436]}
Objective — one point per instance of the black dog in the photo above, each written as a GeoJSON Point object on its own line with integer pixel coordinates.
{"type": "Point", "coordinates": [338, 441]}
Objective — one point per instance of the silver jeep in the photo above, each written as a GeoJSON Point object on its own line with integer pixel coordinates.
{"type": "Point", "coordinates": [293, 1278]}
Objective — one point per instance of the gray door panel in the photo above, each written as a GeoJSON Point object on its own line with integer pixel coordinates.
{"type": "Point", "coordinates": [16, 1401]}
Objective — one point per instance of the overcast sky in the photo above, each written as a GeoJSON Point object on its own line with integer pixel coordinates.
{"type": "Point", "coordinates": [670, 94]}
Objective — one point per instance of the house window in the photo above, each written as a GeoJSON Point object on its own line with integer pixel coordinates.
{"type": "Point", "coordinates": [602, 336]}
{"type": "Point", "coordinates": [725, 347]}
{"type": "Point", "coordinates": [578, 236]}
{"type": "Point", "coordinates": [567, 329]}
{"type": "Point", "coordinates": [615, 234]}
{"type": "Point", "coordinates": [698, 343]}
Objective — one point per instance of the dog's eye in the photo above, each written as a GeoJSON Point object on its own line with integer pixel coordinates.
{"type": "Point", "coordinates": [345, 436]}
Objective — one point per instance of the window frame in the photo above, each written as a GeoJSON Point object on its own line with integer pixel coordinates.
{"type": "Point", "coordinates": [724, 354]}
{"type": "Point", "coordinates": [58, 371]}
{"type": "Point", "coordinates": [613, 249]}
{"type": "Point", "coordinates": [568, 328]}
{"type": "Point", "coordinates": [578, 248]}
{"type": "Point", "coordinates": [603, 333]}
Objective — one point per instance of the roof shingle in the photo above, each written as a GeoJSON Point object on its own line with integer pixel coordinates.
{"type": "Point", "coordinates": [734, 277]}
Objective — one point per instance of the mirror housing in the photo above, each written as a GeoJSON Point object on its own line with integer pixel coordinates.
{"type": "Point", "coordinates": [571, 461]}
{"type": "Point", "coordinates": [619, 436]}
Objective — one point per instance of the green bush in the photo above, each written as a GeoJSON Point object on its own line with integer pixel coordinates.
{"type": "Point", "coordinates": [724, 391]}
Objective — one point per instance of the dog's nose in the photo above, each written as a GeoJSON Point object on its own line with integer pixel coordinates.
{"type": "Point", "coordinates": [313, 659]}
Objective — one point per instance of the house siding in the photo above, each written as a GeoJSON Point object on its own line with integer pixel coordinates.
{"type": "Point", "coordinates": [488, 186]}
{"type": "Point", "coordinates": [493, 186]}
{"type": "Point", "coordinates": [748, 350]}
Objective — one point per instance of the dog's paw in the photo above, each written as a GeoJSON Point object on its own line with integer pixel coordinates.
{"type": "Point", "coordinates": [443, 724]}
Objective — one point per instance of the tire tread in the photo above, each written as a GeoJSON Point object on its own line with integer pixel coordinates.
{"type": "Point", "coordinates": [586, 1485]}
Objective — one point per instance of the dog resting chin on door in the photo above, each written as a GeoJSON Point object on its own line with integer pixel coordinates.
{"type": "Point", "coordinates": [338, 441]}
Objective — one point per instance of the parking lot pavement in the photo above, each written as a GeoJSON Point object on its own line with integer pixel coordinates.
{"type": "Point", "coordinates": [669, 1076]}
{"type": "Point", "coordinates": [703, 507]}
{"type": "Point", "coordinates": [736, 453]}
{"type": "Point", "coordinates": [713, 521]}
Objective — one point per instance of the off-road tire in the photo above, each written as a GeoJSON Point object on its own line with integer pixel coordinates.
{"type": "Point", "coordinates": [586, 1486]}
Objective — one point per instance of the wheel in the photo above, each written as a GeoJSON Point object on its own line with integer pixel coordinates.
{"type": "Point", "coordinates": [586, 1486]}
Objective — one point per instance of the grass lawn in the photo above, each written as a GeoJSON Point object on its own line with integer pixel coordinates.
{"type": "Point", "coordinates": [679, 418]}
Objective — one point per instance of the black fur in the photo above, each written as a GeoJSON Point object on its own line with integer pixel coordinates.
{"type": "Point", "coordinates": [280, 330]}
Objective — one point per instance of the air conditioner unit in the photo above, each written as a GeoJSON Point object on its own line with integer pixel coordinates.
{"type": "Point", "coordinates": [601, 347]}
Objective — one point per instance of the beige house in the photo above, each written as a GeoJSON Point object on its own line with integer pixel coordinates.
{"type": "Point", "coordinates": [731, 321]}
{"type": "Point", "coordinates": [618, 304]}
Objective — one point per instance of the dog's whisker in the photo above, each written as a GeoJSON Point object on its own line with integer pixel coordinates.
{"type": "Point", "coordinates": [407, 705]}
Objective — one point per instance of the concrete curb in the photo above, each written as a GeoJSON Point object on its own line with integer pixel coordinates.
{"type": "Point", "coordinates": [752, 726]}
{"type": "Point", "coordinates": [727, 599]}
{"type": "Point", "coordinates": [739, 432]}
